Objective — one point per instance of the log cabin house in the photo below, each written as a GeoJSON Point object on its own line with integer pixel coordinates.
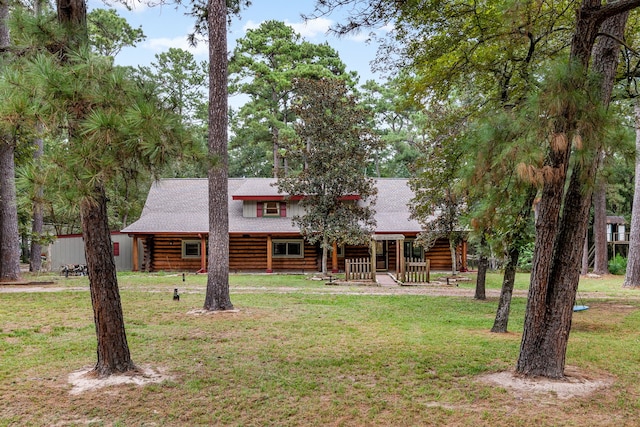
{"type": "Point", "coordinates": [173, 229]}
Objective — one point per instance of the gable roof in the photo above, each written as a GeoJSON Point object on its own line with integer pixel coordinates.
{"type": "Point", "coordinates": [180, 206]}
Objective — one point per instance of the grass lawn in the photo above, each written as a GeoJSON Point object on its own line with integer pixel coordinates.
{"type": "Point", "coordinates": [300, 353]}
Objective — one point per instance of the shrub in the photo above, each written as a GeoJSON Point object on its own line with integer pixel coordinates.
{"type": "Point", "coordinates": [526, 257]}
{"type": "Point", "coordinates": [618, 265]}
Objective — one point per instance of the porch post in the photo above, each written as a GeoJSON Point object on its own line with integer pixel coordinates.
{"type": "Point", "coordinates": [334, 258]}
{"type": "Point", "coordinates": [203, 254]}
{"type": "Point", "coordinates": [134, 252]}
{"type": "Point", "coordinates": [269, 255]}
{"type": "Point", "coordinates": [400, 244]}
{"type": "Point", "coordinates": [464, 255]}
{"type": "Point", "coordinates": [373, 259]}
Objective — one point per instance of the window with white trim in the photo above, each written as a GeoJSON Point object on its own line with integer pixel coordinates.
{"type": "Point", "coordinates": [191, 248]}
{"type": "Point", "coordinates": [288, 248]}
{"type": "Point", "coordinates": [271, 209]}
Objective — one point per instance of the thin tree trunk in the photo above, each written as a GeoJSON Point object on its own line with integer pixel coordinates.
{"type": "Point", "coordinates": [585, 256]}
{"type": "Point", "coordinates": [452, 251]}
{"type": "Point", "coordinates": [506, 292]}
{"type": "Point", "coordinates": [325, 256]}
{"type": "Point", "coordinates": [275, 139]}
{"type": "Point", "coordinates": [483, 265]}
{"type": "Point", "coordinates": [515, 240]}
{"type": "Point", "coordinates": [37, 226]}
{"type": "Point", "coordinates": [600, 226]}
{"type": "Point", "coordinates": [217, 296]}
{"type": "Point", "coordinates": [632, 277]}
{"type": "Point", "coordinates": [37, 222]}
{"type": "Point", "coordinates": [113, 350]}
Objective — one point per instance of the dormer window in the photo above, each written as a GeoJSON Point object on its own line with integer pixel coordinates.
{"type": "Point", "coordinates": [271, 209]}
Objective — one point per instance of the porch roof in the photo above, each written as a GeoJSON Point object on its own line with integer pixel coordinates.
{"type": "Point", "coordinates": [380, 237]}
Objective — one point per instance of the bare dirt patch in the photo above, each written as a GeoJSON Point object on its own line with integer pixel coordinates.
{"type": "Point", "coordinates": [575, 384]}
{"type": "Point", "coordinates": [203, 312]}
{"type": "Point", "coordinates": [83, 380]}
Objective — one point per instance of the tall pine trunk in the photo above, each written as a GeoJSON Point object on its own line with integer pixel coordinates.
{"type": "Point", "coordinates": [217, 296]}
{"type": "Point", "coordinates": [9, 233]}
{"type": "Point", "coordinates": [546, 334]}
{"type": "Point", "coordinates": [632, 278]}
{"type": "Point", "coordinates": [113, 350]}
{"type": "Point", "coordinates": [560, 239]}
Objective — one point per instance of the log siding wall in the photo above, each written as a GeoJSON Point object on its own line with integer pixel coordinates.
{"type": "Point", "coordinates": [249, 253]}
{"type": "Point", "coordinates": [164, 253]}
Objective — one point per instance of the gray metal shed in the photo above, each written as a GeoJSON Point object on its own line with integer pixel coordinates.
{"type": "Point", "coordinates": [69, 249]}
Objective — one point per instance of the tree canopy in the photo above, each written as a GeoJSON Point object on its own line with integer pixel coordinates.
{"type": "Point", "coordinates": [264, 66]}
{"type": "Point", "coordinates": [334, 146]}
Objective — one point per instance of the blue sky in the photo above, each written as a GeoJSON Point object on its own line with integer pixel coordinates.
{"type": "Point", "coordinates": [167, 27]}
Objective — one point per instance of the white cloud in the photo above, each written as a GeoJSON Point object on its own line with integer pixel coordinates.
{"type": "Point", "coordinates": [319, 28]}
{"type": "Point", "coordinates": [135, 6]}
{"type": "Point", "coordinates": [388, 28]}
{"type": "Point", "coordinates": [367, 36]}
{"type": "Point", "coordinates": [359, 37]}
{"type": "Point", "coordinates": [309, 30]}
{"type": "Point", "coordinates": [163, 44]}
{"type": "Point", "coordinates": [312, 28]}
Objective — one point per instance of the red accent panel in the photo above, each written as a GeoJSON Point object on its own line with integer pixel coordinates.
{"type": "Point", "coordinates": [271, 198]}
{"type": "Point", "coordinates": [116, 248]}
{"type": "Point", "coordinates": [275, 198]}
{"type": "Point", "coordinates": [283, 209]}
{"type": "Point", "coordinates": [259, 213]}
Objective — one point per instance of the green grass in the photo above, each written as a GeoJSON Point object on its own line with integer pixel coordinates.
{"type": "Point", "coordinates": [299, 352]}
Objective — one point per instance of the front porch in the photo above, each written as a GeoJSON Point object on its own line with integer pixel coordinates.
{"type": "Point", "coordinates": [376, 267]}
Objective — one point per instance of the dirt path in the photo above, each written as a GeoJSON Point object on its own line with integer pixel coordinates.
{"type": "Point", "coordinates": [434, 288]}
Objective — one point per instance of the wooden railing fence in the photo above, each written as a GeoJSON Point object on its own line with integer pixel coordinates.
{"type": "Point", "coordinates": [416, 270]}
{"type": "Point", "coordinates": [357, 269]}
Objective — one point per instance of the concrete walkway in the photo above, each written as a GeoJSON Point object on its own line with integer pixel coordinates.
{"type": "Point", "coordinates": [384, 279]}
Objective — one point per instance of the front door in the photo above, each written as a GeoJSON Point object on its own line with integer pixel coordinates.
{"type": "Point", "coordinates": [381, 255]}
